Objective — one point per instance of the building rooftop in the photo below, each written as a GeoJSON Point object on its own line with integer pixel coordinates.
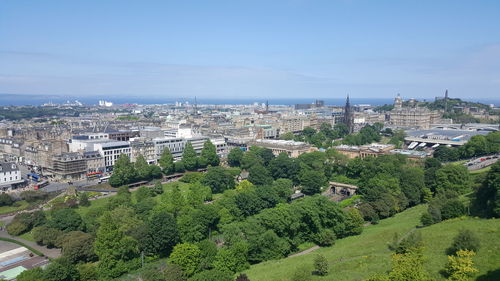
{"type": "Point", "coordinates": [8, 167]}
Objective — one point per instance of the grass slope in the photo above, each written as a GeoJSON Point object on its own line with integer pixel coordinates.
{"type": "Point", "coordinates": [358, 257]}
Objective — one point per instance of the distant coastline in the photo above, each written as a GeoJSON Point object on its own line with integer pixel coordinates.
{"type": "Point", "coordinates": [35, 100]}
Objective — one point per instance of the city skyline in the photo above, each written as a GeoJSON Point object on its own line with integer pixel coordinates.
{"type": "Point", "coordinates": [237, 49]}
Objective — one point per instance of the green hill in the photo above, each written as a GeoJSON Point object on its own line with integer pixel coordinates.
{"type": "Point", "coordinates": [358, 257]}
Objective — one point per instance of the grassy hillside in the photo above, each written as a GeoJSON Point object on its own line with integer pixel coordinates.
{"type": "Point", "coordinates": [356, 258]}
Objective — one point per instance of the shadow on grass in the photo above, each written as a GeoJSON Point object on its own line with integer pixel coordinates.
{"type": "Point", "coordinates": [492, 275]}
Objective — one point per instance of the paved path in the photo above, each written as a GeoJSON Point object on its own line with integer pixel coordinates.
{"type": "Point", "coordinates": [312, 249]}
{"type": "Point", "coordinates": [51, 253]}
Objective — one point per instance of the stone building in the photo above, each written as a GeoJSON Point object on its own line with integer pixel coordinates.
{"type": "Point", "coordinates": [412, 116]}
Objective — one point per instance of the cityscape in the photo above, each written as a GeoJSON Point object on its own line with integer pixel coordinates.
{"type": "Point", "coordinates": [288, 140]}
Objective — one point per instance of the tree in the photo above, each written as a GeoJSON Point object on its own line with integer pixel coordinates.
{"type": "Point", "coordinates": [465, 240]}
{"type": "Point", "coordinates": [87, 272]}
{"type": "Point", "coordinates": [116, 251]}
{"type": "Point", "coordinates": [61, 271]}
{"type": "Point", "coordinates": [321, 265]}
{"type": "Point", "coordinates": [408, 266]}
{"type": "Point", "coordinates": [218, 179]}
{"type": "Point", "coordinates": [189, 157]}
{"type": "Point", "coordinates": [411, 243]}
{"type": "Point", "coordinates": [244, 185]}
{"type": "Point", "coordinates": [167, 162]}
{"type": "Point", "coordinates": [5, 200]}
{"type": "Point", "coordinates": [48, 236]}
{"type": "Point", "coordinates": [249, 159]}
{"type": "Point", "coordinates": [488, 195]}
{"type": "Point", "coordinates": [84, 200]}
{"type": "Point", "coordinates": [162, 234]}
{"type": "Point", "coordinates": [312, 181]}
{"type": "Point", "coordinates": [267, 246]}
{"type": "Point", "coordinates": [452, 208]}
{"type": "Point", "coordinates": [259, 175]}
{"type": "Point", "coordinates": [75, 247]}
{"type": "Point", "coordinates": [187, 256]}
{"type": "Point", "coordinates": [284, 167]}
{"type": "Point", "coordinates": [325, 238]}
{"type": "Point", "coordinates": [179, 167]}
{"type": "Point", "coordinates": [142, 168]}
{"type": "Point", "coordinates": [234, 157]}
{"type": "Point", "coordinates": [123, 172]}
{"type": "Point", "coordinates": [232, 259]}
{"type": "Point", "coordinates": [453, 177]}
{"type": "Point", "coordinates": [209, 154]}
{"type": "Point", "coordinates": [66, 220]}
{"type": "Point", "coordinates": [412, 184]}
{"type": "Point", "coordinates": [461, 267]}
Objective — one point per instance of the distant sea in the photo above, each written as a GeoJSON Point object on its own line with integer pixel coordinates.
{"type": "Point", "coordinates": [12, 99]}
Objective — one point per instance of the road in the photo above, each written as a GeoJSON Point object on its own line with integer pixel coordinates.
{"type": "Point", "coordinates": [476, 164]}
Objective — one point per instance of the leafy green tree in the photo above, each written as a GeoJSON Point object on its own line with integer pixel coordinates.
{"type": "Point", "coordinates": [461, 267]}
{"type": "Point", "coordinates": [411, 243]}
{"type": "Point", "coordinates": [232, 259]}
{"type": "Point", "coordinates": [412, 184]}
{"type": "Point", "coordinates": [234, 157]}
{"type": "Point", "coordinates": [250, 158]}
{"type": "Point", "coordinates": [487, 200]}
{"type": "Point", "coordinates": [312, 181]}
{"type": "Point", "coordinates": [157, 188]}
{"type": "Point", "coordinates": [196, 224]}
{"type": "Point", "coordinates": [44, 235]}
{"type": "Point", "coordinates": [87, 272]}
{"type": "Point", "coordinates": [187, 256]}
{"type": "Point", "coordinates": [209, 154]}
{"type": "Point", "coordinates": [123, 172]}
{"type": "Point", "coordinates": [408, 266]}
{"type": "Point", "coordinates": [208, 252]}
{"type": "Point", "coordinates": [453, 177]}
{"type": "Point", "coordinates": [325, 238]}
{"type": "Point", "coordinates": [75, 247]}
{"type": "Point", "coordinates": [218, 179]}
{"type": "Point", "coordinates": [267, 246]}
{"type": "Point", "coordinates": [179, 167]}
{"type": "Point", "coordinates": [452, 208]}
{"type": "Point", "coordinates": [167, 162]}
{"type": "Point", "coordinates": [189, 157]}
{"type": "Point", "coordinates": [259, 175]}
{"type": "Point", "coordinates": [115, 250]}
{"type": "Point", "coordinates": [6, 200]}
{"type": "Point", "coordinates": [84, 200]}
{"type": "Point", "coordinates": [465, 240]}
{"type": "Point", "coordinates": [61, 271]}
{"type": "Point", "coordinates": [283, 188]}
{"type": "Point", "coordinates": [143, 193]}
{"type": "Point", "coordinates": [321, 265]}
{"type": "Point", "coordinates": [162, 234]}
{"type": "Point", "coordinates": [142, 168]}
{"type": "Point", "coordinates": [284, 167]}
{"type": "Point", "coordinates": [66, 220]}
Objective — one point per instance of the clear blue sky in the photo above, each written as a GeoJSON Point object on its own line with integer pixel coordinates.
{"type": "Point", "coordinates": [251, 48]}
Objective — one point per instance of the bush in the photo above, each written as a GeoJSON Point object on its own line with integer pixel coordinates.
{"type": "Point", "coordinates": [321, 265]}
{"type": "Point", "coordinates": [325, 238]}
{"type": "Point", "coordinates": [6, 200]}
{"type": "Point", "coordinates": [465, 240]}
{"type": "Point", "coordinates": [452, 209]}
{"type": "Point", "coordinates": [406, 245]}
{"type": "Point", "coordinates": [17, 228]}
{"type": "Point", "coordinates": [426, 219]}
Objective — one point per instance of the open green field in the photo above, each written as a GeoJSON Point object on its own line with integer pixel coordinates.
{"type": "Point", "coordinates": [358, 257]}
{"type": "Point", "coordinates": [22, 205]}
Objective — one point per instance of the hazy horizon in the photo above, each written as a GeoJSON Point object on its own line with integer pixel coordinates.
{"type": "Point", "coordinates": [251, 49]}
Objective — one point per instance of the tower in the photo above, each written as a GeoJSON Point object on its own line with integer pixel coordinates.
{"type": "Point", "coordinates": [446, 101]}
{"type": "Point", "coordinates": [348, 117]}
{"type": "Point", "coordinates": [398, 102]}
{"type": "Point", "coordinates": [267, 106]}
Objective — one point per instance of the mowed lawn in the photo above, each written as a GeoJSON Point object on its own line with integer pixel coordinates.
{"type": "Point", "coordinates": [358, 257]}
